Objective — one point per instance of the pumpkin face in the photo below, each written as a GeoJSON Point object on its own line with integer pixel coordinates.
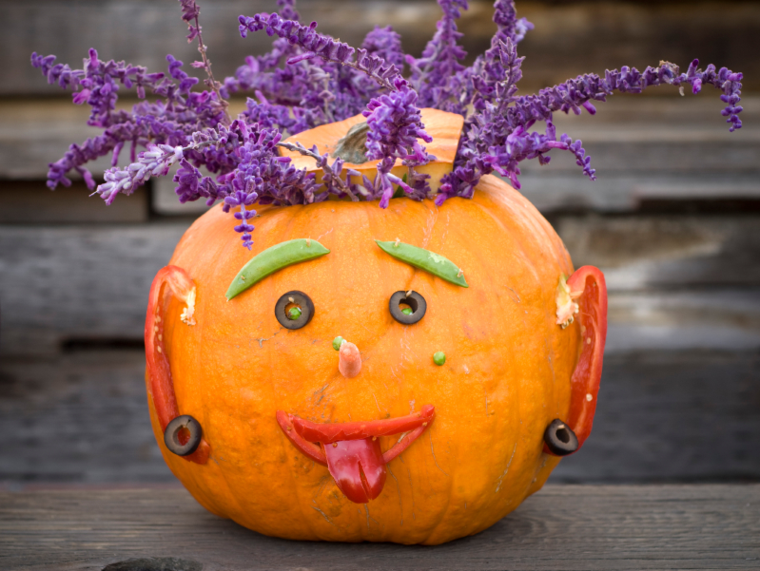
{"type": "Point", "coordinates": [508, 372]}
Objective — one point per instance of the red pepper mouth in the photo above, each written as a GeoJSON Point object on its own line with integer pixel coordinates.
{"type": "Point", "coordinates": [351, 450]}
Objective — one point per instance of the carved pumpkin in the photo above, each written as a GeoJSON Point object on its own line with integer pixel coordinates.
{"type": "Point", "coordinates": [470, 444]}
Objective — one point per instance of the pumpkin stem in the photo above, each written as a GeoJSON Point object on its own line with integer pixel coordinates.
{"type": "Point", "coordinates": [352, 147]}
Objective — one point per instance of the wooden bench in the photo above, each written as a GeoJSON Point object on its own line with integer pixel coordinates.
{"type": "Point", "coordinates": [560, 527]}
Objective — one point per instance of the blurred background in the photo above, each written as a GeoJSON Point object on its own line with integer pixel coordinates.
{"type": "Point", "coordinates": [673, 220]}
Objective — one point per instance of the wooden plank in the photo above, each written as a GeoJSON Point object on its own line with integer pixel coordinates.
{"type": "Point", "coordinates": [80, 282]}
{"type": "Point", "coordinates": [672, 417]}
{"type": "Point", "coordinates": [685, 251]}
{"type": "Point", "coordinates": [564, 190]}
{"type": "Point", "coordinates": [32, 202]}
{"type": "Point", "coordinates": [81, 419]}
{"type": "Point", "coordinates": [561, 527]}
{"type": "Point", "coordinates": [570, 38]}
{"type": "Point", "coordinates": [726, 320]}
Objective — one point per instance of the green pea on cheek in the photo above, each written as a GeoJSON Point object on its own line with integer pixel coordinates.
{"type": "Point", "coordinates": [439, 358]}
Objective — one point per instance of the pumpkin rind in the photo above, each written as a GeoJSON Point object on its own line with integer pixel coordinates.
{"type": "Point", "coordinates": [505, 379]}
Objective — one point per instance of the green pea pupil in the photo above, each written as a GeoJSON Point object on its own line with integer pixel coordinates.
{"type": "Point", "coordinates": [407, 311]}
{"type": "Point", "coordinates": [294, 313]}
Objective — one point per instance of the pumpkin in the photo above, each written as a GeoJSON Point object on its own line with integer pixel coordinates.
{"type": "Point", "coordinates": [522, 345]}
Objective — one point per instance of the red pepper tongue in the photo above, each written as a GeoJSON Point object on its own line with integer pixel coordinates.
{"type": "Point", "coordinates": [357, 467]}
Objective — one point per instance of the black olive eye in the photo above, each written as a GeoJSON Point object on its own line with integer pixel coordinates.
{"type": "Point", "coordinates": [560, 438]}
{"type": "Point", "coordinates": [294, 310]}
{"type": "Point", "coordinates": [414, 310]}
{"type": "Point", "coordinates": [183, 428]}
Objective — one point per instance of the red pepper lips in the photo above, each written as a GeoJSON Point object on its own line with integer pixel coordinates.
{"type": "Point", "coordinates": [351, 450]}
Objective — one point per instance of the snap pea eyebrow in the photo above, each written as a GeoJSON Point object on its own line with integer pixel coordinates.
{"type": "Point", "coordinates": [425, 260]}
{"type": "Point", "coordinates": [273, 259]}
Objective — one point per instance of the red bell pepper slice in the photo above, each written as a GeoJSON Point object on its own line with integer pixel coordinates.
{"type": "Point", "coordinates": [358, 468]}
{"type": "Point", "coordinates": [351, 450]}
{"type": "Point", "coordinates": [161, 385]}
{"type": "Point", "coordinates": [589, 282]}
{"type": "Point", "coordinates": [313, 451]}
{"type": "Point", "coordinates": [338, 432]}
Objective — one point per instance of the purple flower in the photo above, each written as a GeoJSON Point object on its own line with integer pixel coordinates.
{"type": "Point", "coordinates": [437, 74]}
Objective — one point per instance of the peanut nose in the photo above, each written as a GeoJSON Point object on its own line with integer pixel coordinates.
{"type": "Point", "coordinates": [349, 360]}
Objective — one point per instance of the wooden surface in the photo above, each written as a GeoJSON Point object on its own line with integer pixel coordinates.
{"type": "Point", "coordinates": [561, 527]}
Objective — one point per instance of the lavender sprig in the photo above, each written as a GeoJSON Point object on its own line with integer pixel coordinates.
{"type": "Point", "coordinates": [394, 119]}
{"type": "Point", "coordinates": [497, 137]}
{"type": "Point", "coordinates": [437, 74]}
{"type": "Point", "coordinates": [395, 125]}
{"type": "Point", "coordinates": [190, 14]}
{"type": "Point", "coordinates": [321, 46]}
{"type": "Point", "coordinates": [170, 121]}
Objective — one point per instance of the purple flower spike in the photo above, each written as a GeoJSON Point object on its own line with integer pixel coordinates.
{"type": "Point", "coordinates": [437, 74]}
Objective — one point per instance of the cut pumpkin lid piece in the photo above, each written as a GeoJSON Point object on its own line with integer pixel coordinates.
{"type": "Point", "coordinates": [445, 129]}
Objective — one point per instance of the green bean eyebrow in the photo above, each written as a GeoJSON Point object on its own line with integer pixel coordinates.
{"type": "Point", "coordinates": [273, 259]}
{"type": "Point", "coordinates": [425, 260]}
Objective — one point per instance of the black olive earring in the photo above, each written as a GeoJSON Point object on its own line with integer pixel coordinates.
{"type": "Point", "coordinates": [193, 431]}
{"type": "Point", "coordinates": [560, 438]}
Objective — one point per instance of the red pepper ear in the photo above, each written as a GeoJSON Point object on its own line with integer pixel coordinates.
{"type": "Point", "coordinates": [588, 371]}
{"type": "Point", "coordinates": [161, 386]}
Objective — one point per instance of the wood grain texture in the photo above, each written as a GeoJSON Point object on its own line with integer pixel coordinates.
{"type": "Point", "coordinates": [561, 527]}
{"type": "Point", "coordinates": [81, 419]}
{"type": "Point", "coordinates": [570, 38]}
{"type": "Point", "coordinates": [32, 202]}
{"type": "Point", "coordinates": [85, 282]}
{"type": "Point", "coordinates": [664, 252]}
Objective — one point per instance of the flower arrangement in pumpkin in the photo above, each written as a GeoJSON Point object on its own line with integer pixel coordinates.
{"type": "Point", "coordinates": [246, 405]}
{"type": "Point", "coordinates": [323, 81]}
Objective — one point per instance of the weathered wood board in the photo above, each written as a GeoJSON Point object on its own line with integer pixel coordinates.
{"type": "Point", "coordinates": [32, 202]}
{"type": "Point", "coordinates": [85, 282]}
{"type": "Point", "coordinates": [561, 527]}
{"type": "Point", "coordinates": [82, 418]}
{"type": "Point", "coordinates": [569, 39]}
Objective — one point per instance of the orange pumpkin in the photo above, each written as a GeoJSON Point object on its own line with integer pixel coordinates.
{"type": "Point", "coordinates": [510, 368]}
